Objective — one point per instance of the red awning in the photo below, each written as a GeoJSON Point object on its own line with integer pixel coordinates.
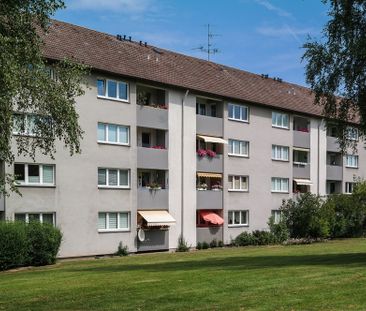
{"type": "Point", "coordinates": [212, 217]}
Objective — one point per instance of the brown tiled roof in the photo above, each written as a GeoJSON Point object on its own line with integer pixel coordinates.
{"type": "Point", "coordinates": [105, 52]}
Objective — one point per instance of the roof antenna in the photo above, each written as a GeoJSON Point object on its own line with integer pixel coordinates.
{"type": "Point", "coordinates": [210, 50]}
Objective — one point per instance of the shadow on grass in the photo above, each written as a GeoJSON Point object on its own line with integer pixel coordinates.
{"type": "Point", "coordinates": [234, 263]}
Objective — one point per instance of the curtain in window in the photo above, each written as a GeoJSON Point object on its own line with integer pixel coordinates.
{"type": "Point", "coordinates": [112, 133]}
{"type": "Point", "coordinates": [47, 174]}
{"type": "Point", "coordinates": [113, 177]}
{"type": "Point", "coordinates": [102, 221]}
{"type": "Point", "coordinates": [123, 134]}
{"type": "Point", "coordinates": [101, 132]}
{"type": "Point", "coordinates": [123, 221]}
{"type": "Point", "coordinates": [102, 176]}
{"type": "Point", "coordinates": [123, 178]}
{"type": "Point", "coordinates": [112, 223]}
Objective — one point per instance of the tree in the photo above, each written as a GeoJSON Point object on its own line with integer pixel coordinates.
{"type": "Point", "coordinates": [336, 66]}
{"type": "Point", "coordinates": [32, 86]}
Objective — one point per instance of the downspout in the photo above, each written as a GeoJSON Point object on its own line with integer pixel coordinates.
{"type": "Point", "coordinates": [182, 164]}
{"type": "Point", "coordinates": [318, 168]}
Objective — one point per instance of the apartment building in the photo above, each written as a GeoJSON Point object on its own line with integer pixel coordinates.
{"type": "Point", "coordinates": [173, 146]}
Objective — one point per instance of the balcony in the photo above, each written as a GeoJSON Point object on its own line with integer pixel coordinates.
{"type": "Point", "coordinates": [332, 144]}
{"type": "Point", "coordinates": [301, 139]}
{"type": "Point", "coordinates": [155, 240]}
{"type": "Point", "coordinates": [151, 158]}
{"type": "Point", "coordinates": [208, 164]}
{"type": "Point", "coordinates": [334, 172]}
{"type": "Point", "coordinates": [206, 125]}
{"type": "Point", "coordinates": [152, 117]}
{"type": "Point", "coordinates": [209, 199]}
{"type": "Point", "coordinates": [152, 199]}
{"type": "Point", "coordinates": [301, 170]}
{"type": "Point", "coordinates": [207, 234]}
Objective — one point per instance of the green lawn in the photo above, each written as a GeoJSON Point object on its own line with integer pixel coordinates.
{"type": "Point", "coordinates": [324, 276]}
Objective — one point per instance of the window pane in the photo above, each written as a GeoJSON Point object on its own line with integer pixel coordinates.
{"type": "Point", "coordinates": [48, 174]}
{"type": "Point", "coordinates": [102, 221]}
{"type": "Point", "coordinates": [236, 182]}
{"type": "Point", "coordinates": [102, 177]}
{"type": "Point", "coordinates": [123, 134]}
{"type": "Point", "coordinates": [31, 124]}
{"type": "Point", "coordinates": [273, 118]}
{"type": "Point", "coordinates": [112, 224]}
{"type": "Point", "coordinates": [231, 146]}
{"type": "Point", "coordinates": [101, 132]}
{"type": "Point", "coordinates": [19, 172]}
{"type": "Point", "coordinates": [231, 185]}
{"type": "Point", "coordinates": [285, 153]}
{"type": "Point", "coordinates": [244, 219]}
{"type": "Point", "coordinates": [285, 120]}
{"type": "Point", "coordinates": [47, 219]}
{"type": "Point", "coordinates": [274, 184]}
{"type": "Point", "coordinates": [230, 220]}
{"type": "Point", "coordinates": [112, 133]}
{"type": "Point", "coordinates": [237, 111]}
{"type": "Point", "coordinates": [33, 217]}
{"type": "Point", "coordinates": [231, 111]}
{"type": "Point", "coordinates": [123, 178]}
{"type": "Point", "coordinates": [112, 89]}
{"type": "Point", "coordinates": [237, 218]}
{"type": "Point", "coordinates": [236, 147]}
{"type": "Point", "coordinates": [112, 177]}
{"type": "Point", "coordinates": [33, 173]}
{"type": "Point", "coordinates": [123, 221]}
{"type": "Point", "coordinates": [101, 87]}
{"type": "Point", "coordinates": [18, 123]}
{"type": "Point", "coordinates": [244, 147]}
{"type": "Point", "coordinates": [19, 217]}
{"type": "Point", "coordinates": [123, 89]}
{"type": "Point", "coordinates": [245, 113]}
{"type": "Point", "coordinates": [244, 183]}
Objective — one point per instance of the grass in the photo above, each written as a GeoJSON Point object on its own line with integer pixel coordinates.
{"type": "Point", "coordinates": [324, 276]}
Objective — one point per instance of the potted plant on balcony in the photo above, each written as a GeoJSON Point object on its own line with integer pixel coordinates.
{"type": "Point", "coordinates": [217, 187]}
{"type": "Point", "coordinates": [201, 153]}
{"type": "Point", "coordinates": [210, 153]}
{"type": "Point", "coordinates": [142, 98]}
{"type": "Point", "coordinates": [202, 186]}
{"type": "Point", "coordinates": [153, 186]}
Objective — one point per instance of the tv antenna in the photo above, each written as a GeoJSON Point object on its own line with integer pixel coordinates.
{"type": "Point", "coordinates": [209, 49]}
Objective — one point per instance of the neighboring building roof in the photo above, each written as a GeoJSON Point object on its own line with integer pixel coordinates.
{"type": "Point", "coordinates": [106, 53]}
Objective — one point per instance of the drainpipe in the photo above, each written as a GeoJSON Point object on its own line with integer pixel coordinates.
{"type": "Point", "coordinates": [182, 163]}
{"type": "Point", "coordinates": [318, 168]}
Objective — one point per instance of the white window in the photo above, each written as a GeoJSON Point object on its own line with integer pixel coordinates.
{"type": "Point", "coordinates": [113, 221]}
{"type": "Point", "coordinates": [280, 184]}
{"type": "Point", "coordinates": [238, 112]}
{"type": "Point", "coordinates": [276, 214]}
{"type": "Point", "coordinates": [349, 187]}
{"type": "Point", "coordinates": [43, 218]}
{"type": "Point", "coordinates": [352, 133]}
{"type": "Point", "coordinates": [113, 134]}
{"type": "Point", "coordinates": [238, 218]}
{"type": "Point", "coordinates": [238, 183]}
{"type": "Point", "coordinates": [113, 178]}
{"type": "Point", "coordinates": [34, 174]}
{"type": "Point", "coordinates": [280, 120]}
{"type": "Point", "coordinates": [238, 148]}
{"type": "Point", "coordinates": [117, 90]}
{"type": "Point", "coordinates": [280, 153]}
{"type": "Point", "coordinates": [24, 124]}
{"type": "Point", "coordinates": [352, 161]}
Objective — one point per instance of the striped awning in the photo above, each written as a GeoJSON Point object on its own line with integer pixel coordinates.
{"type": "Point", "coordinates": [301, 149]}
{"type": "Point", "coordinates": [157, 218]}
{"type": "Point", "coordinates": [303, 182]}
{"type": "Point", "coordinates": [212, 175]}
{"type": "Point", "coordinates": [210, 139]}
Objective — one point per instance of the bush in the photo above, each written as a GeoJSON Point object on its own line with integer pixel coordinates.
{"type": "Point", "coordinates": [199, 245]}
{"type": "Point", "coordinates": [263, 238]}
{"type": "Point", "coordinates": [28, 244]}
{"type": "Point", "coordinates": [44, 241]}
{"type": "Point", "coordinates": [13, 245]}
{"type": "Point", "coordinates": [220, 244]}
{"type": "Point", "coordinates": [182, 245]}
{"type": "Point", "coordinates": [213, 243]}
{"type": "Point", "coordinates": [205, 245]}
{"type": "Point", "coordinates": [122, 250]}
{"type": "Point", "coordinates": [279, 230]}
{"type": "Point", "coordinates": [244, 239]}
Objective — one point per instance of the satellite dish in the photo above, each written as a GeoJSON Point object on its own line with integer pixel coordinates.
{"type": "Point", "coordinates": [141, 235]}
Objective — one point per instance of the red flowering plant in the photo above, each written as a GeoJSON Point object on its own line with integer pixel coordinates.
{"type": "Point", "coordinates": [210, 153]}
{"type": "Point", "coordinates": [201, 153]}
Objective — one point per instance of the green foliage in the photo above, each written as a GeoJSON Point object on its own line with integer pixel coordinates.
{"type": "Point", "coordinates": [199, 245]}
{"type": "Point", "coordinates": [279, 230]}
{"type": "Point", "coordinates": [336, 66]}
{"type": "Point", "coordinates": [205, 245]}
{"type": "Point", "coordinates": [182, 245]}
{"type": "Point", "coordinates": [257, 237]}
{"type": "Point", "coordinates": [28, 244]}
{"type": "Point", "coordinates": [244, 239]}
{"type": "Point", "coordinates": [40, 88]}
{"type": "Point", "coordinates": [122, 250]}
{"type": "Point", "coordinates": [220, 244]}
{"type": "Point", "coordinates": [213, 243]}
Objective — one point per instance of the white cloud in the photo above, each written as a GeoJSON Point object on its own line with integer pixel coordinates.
{"type": "Point", "coordinates": [270, 7]}
{"type": "Point", "coordinates": [285, 31]}
{"type": "Point", "coordinates": [128, 6]}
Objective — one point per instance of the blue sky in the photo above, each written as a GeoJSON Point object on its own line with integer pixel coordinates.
{"type": "Point", "coordinates": [260, 36]}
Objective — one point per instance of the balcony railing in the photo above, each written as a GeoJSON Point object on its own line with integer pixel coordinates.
{"type": "Point", "coordinates": [208, 164]}
{"type": "Point", "coordinates": [334, 172]}
{"type": "Point", "coordinates": [302, 139]}
{"type": "Point", "coordinates": [155, 240]}
{"type": "Point", "coordinates": [209, 199]}
{"type": "Point", "coordinates": [301, 170]}
{"type": "Point", "coordinates": [207, 234]}
{"type": "Point", "coordinates": [151, 158]}
{"type": "Point", "coordinates": [211, 126]}
{"type": "Point", "coordinates": [152, 117]}
{"type": "Point", "coordinates": [332, 144]}
{"type": "Point", "coordinates": [150, 199]}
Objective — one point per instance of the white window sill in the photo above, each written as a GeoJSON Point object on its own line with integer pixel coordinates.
{"type": "Point", "coordinates": [238, 120]}
{"type": "Point", "coordinates": [114, 99]}
{"type": "Point", "coordinates": [113, 230]}
{"type": "Point", "coordinates": [300, 163]}
{"type": "Point", "coordinates": [238, 155]}
{"type": "Point", "coordinates": [280, 127]}
{"type": "Point", "coordinates": [238, 226]}
{"type": "Point", "coordinates": [280, 160]}
{"type": "Point", "coordinates": [36, 185]}
{"type": "Point", "coordinates": [112, 143]}
{"type": "Point", "coordinates": [276, 191]}
{"type": "Point", "coordinates": [114, 187]}
{"type": "Point", "coordinates": [354, 167]}
{"type": "Point", "coordinates": [237, 190]}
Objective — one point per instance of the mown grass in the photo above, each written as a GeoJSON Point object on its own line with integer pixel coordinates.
{"type": "Point", "coordinates": [324, 276]}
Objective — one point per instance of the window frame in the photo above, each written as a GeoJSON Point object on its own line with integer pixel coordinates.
{"type": "Point", "coordinates": [107, 186]}
{"type": "Point", "coordinates": [353, 156]}
{"type": "Point", "coordinates": [241, 113]}
{"type": "Point", "coordinates": [348, 185]}
{"type": "Point", "coordinates": [241, 183]}
{"type": "Point", "coordinates": [352, 131]}
{"type": "Point", "coordinates": [26, 182]}
{"type": "Point", "coordinates": [282, 147]}
{"type": "Point", "coordinates": [281, 190]}
{"type": "Point", "coordinates": [26, 214]}
{"type": "Point", "coordinates": [107, 142]}
{"type": "Point", "coordinates": [281, 126]}
{"type": "Point", "coordinates": [105, 96]}
{"type": "Point", "coordinates": [118, 229]}
{"type": "Point", "coordinates": [233, 217]}
{"type": "Point", "coordinates": [240, 148]}
{"type": "Point", "coordinates": [275, 212]}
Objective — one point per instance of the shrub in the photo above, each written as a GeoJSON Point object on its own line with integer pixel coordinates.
{"type": "Point", "coordinates": [205, 245]}
{"type": "Point", "coordinates": [220, 244]}
{"type": "Point", "coordinates": [199, 245]}
{"type": "Point", "coordinates": [13, 245]}
{"type": "Point", "coordinates": [213, 243]}
{"type": "Point", "coordinates": [261, 237]}
{"type": "Point", "coordinates": [44, 242]}
{"type": "Point", "coordinates": [244, 239]}
{"type": "Point", "coordinates": [279, 230]}
{"type": "Point", "coordinates": [122, 250]}
{"type": "Point", "coordinates": [182, 245]}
